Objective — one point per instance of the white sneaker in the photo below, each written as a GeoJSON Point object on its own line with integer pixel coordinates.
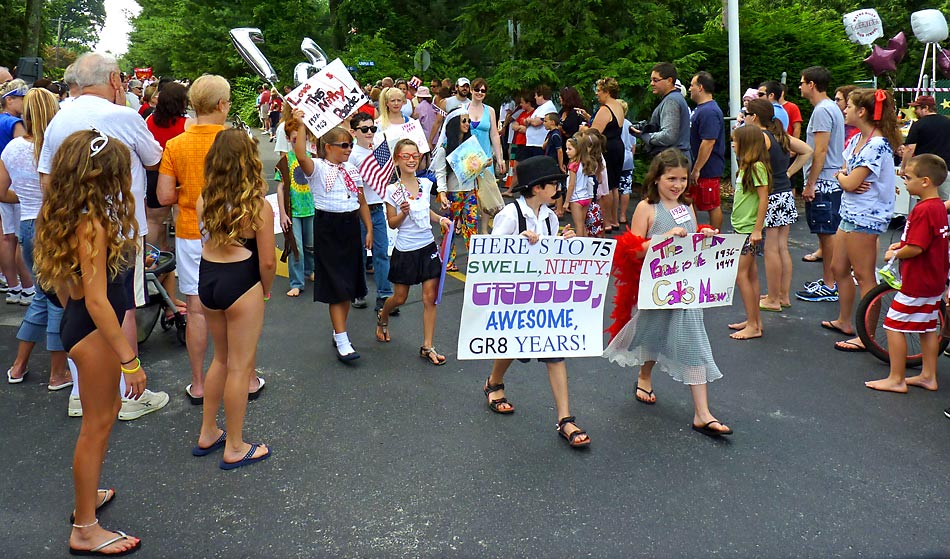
{"type": "Point", "coordinates": [26, 298]}
{"type": "Point", "coordinates": [75, 406]}
{"type": "Point", "coordinates": [147, 403]}
{"type": "Point", "coordinates": [13, 297]}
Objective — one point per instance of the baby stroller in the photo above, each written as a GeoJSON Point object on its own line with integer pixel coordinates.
{"type": "Point", "coordinates": [158, 303]}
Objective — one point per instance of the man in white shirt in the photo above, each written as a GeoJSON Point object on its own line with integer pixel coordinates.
{"type": "Point", "coordinates": [536, 133]}
{"type": "Point", "coordinates": [102, 106]}
{"type": "Point", "coordinates": [134, 94]}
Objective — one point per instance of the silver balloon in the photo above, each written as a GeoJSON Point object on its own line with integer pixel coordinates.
{"type": "Point", "coordinates": [314, 53]}
{"type": "Point", "coordinates": [244, 39]}
{"type": "Point", "coordinates": [303, 71]}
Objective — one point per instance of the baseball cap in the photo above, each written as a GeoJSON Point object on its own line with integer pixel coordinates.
{"type": "Point", "coordinates": [423, 91]}
{"type": "Point", "coordinates": [462, 81]}
{"type": "Point", "coordinates": [924, 101]}
{"type": "Point", "coordinates": [15, 90]}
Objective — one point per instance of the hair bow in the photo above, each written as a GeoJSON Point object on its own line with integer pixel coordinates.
{"type": "Point", "coordinates": [879, 96]}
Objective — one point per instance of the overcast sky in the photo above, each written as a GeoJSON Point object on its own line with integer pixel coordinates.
{"type": "Point", "coordinates": [115, 33]}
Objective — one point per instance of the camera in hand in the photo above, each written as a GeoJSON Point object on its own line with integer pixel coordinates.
{"type": "Point", "coordinates": [644, 126]}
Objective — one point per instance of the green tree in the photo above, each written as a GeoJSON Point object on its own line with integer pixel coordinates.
{"type": "Point", "coordinates": [12, 30]}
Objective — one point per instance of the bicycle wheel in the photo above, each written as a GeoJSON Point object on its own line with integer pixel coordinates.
{"type": "Point", "coordinates": [869, 323]}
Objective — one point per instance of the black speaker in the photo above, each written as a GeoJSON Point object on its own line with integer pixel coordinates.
{"type": "Point", "coordinates": [29, 69]}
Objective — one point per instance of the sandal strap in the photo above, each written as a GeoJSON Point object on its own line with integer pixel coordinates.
{"type": "Point", "coordinates": [122, 536]}
{"type": "Point", "coordinates": [564, 421]}
{"type": "Point", "coordinates": [489, 387]}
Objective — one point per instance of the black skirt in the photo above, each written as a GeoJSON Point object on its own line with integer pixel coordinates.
{"type": "Point", "coordinates": [415, 266]}
{"type": "Point", "coordinates": [338, 257]}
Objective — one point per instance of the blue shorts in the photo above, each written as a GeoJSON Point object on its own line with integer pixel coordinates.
{"type": "Point", "coordinates": [822, 213]}
{"type": "Point", "coordinates": [849, 227]}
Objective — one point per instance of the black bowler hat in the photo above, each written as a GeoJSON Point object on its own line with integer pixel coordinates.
{"type": "Point", "coordinates": [536, 170]}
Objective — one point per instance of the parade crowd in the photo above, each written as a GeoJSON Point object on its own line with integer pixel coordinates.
{"type": "Point", "coordinates": [96, 170]}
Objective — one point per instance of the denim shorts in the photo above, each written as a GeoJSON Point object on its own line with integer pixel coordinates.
{"type": "Point", "coordinates": [849, 227]}
{"type": "Point", "coordinates": [822, 213]}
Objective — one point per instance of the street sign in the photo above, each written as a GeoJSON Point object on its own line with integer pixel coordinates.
{"type": "Point", "coordinates": [366, 63]}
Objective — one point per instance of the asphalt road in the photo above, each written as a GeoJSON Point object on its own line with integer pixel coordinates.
{"type": "Point", "coordinates": [393, 458]}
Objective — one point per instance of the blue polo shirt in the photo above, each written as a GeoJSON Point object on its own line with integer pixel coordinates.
{"type": "Point", "coordinates": [7, 123]}
{"type": "Point", "coordinates": [706, 124]}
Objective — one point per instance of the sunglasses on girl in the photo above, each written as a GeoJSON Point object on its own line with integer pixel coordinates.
{"type": "Point", "coordinates": [407, 156]}
{"type": "Point", "coordinates": [342, 145]}
{"type": "Point", "coordinates": [365, 129]}
{"type": "Point", "coordinates": [480, 90]}
{"type": "Point", "coordinates": [465, 120]}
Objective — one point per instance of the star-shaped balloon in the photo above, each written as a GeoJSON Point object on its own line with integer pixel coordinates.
{"type": "Point", "coordinates": [881, 60]}
{"type": "Point", "coordinates": [898, 43]}
{"type": "Point", "coordinates": [945, 104]}
{"type": "Point", "coordinates": [943, 61]}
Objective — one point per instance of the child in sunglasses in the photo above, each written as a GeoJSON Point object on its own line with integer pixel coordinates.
{"type": "Point", "coordinates": [362, 128]}
{"type": "Point", "coordinates": [339, 206]}
{"type": "Point", "coordinates": [415, 258]}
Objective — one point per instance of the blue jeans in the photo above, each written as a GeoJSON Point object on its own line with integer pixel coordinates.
{"type": "Point", "coordinates": [300, 268]}
{"type": "Point", "coordinates": [380, 250]}
{"type": "Point", "coordinates": [42, 317]}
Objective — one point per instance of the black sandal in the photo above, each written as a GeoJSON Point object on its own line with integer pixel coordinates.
{"type": "Point", "coordinates": [576, 434]}
{"type": "Point", "coordinates": [493, 405]}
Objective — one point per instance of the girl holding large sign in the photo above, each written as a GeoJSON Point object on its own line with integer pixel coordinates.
{"type": "Point", "coordinates": [415, 258]}
{"type": "Point", "coordinates": [675, 339]}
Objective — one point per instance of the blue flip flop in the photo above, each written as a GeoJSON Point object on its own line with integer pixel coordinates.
{"type": "Point", "coordinates": [198, 451]}
{"type": "Point", "coordinates": [247, 460]}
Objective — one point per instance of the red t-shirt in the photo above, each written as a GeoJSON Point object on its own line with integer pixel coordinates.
{"type": "Point", "coordinates": [794, 114]}
{"type": "Point", "coordinates": [276, 104]}
{"type": "Point", "coordinates": [265, 98]}
{"type": "Point", "coordinates": [368, 109]}
{"type": "Point", "coordinates": [925, 275]}
{"type": "Point", "coordinates": [163, 134]}
{"type": "Point", "coordinates": [521, 139]}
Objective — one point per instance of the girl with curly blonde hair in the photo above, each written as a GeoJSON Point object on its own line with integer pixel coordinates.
{"type": "Point", "coordinates": [85, 237]}
{"type": "Point", "coordinates": [234, 279]}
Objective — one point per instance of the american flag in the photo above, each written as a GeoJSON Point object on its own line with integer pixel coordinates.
{"type": "Point", "coordinates": [377, 169]}
{"type": "Point", "coordinates": [439, 111]}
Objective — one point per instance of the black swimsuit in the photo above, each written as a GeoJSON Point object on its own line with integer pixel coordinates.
{"type": "Point", "coordinates": [76, 323]}
{"type": "Point", "coordinates": [220, 284]}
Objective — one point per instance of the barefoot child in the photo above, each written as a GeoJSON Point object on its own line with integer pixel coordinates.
{"type": "Point", "coordinates": [540, 180]}
{"type": "Point", "coordinates": [676, 338]}
{"type": "Point", "coordinates": [415, 257]}
{"type": "Point", "coordinates": [924, 268]}
{"type": "Point", "coordinates": [750, 204]}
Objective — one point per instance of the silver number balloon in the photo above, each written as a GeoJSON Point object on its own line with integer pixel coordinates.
{"type": "Point", "coordinates": [303, 71]}
{"type": "Point", "coordinates": [244, 39]}
{"type": "Point", "coordinates": [314, 53]}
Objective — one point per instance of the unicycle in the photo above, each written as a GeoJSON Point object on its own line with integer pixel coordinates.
{"type": "Point", "coordinates": [872, 310]}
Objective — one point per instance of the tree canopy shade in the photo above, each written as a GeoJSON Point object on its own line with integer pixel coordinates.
{"type": "Point", "coordinates": [559, 42]}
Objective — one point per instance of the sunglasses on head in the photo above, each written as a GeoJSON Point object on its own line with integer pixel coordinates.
{"type": "Point", "coordinates": [407, 156]}
{"type": "Point", "coordinates": [365, 129]}
{"type": "Point", "coordinates": [342, 145]}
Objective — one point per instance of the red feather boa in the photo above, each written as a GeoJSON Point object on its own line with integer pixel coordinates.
{"type": "Point", "coordinates": [628, 263]}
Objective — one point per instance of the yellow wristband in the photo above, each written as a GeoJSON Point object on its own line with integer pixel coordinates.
{"type": "Point", "coordinates": [138, 365]}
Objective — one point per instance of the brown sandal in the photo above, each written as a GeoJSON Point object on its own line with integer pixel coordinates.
{"type": "Point", "coordinates": [571, 439]}
{"type": "Point", "coordinates": [428, 353]}
{"type": "Point", "coordinates": [495, 405]}
{"type": "Point", "coordinates": [382, 328]}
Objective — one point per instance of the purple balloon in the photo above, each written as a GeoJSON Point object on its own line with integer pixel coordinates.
{"type": "Point", "coordinates": [898, 43]}
{"type": "Point", "coordinates": [881, 60]}
{"type": "Point", "coordinates": [943, 62]}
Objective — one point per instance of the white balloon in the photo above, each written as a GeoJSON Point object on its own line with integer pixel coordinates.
{"type": "Point", "coordinates": [930, 26]}
{"type": "Point", "coordinates": [863, 26]}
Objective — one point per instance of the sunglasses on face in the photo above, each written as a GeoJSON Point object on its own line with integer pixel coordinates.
{"type": "Point", "coordinates": [480, 90]}
{"type": "Point", "coordinates": [761, 94]}
{"type": "Point", "coordinates": [407, 156]}
{"type": "Point", "coordinates": [465, 121]}
{"type": "Point", "coordinates": [342, 145]}
{"type": "Point", "coordinates": [365, 129]}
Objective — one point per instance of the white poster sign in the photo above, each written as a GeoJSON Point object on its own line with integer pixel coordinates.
{"type": "Point", "coordinates": [412, 130]}
{"type": "Point", "coordinates": [540, 300]}
{"type": "Point", "coordinates": [690, 272]}
{"type": "Point", "coordinates": [327, 98]}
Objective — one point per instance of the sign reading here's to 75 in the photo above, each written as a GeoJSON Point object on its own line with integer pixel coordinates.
{"type": "Point", "coordinates": [690, 272]}
{"type": "Point", "coordinates": [540, 300]}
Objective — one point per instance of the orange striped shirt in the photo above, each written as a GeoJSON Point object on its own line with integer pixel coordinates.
{"type": "Point", "coordinates": [184, 159]}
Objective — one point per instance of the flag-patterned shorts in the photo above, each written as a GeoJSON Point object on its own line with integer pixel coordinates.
{"type": "Point", "coordinates": [913, 314]}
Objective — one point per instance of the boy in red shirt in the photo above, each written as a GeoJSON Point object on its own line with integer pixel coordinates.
{"type": "Point", "coordinates": [924, 267]}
